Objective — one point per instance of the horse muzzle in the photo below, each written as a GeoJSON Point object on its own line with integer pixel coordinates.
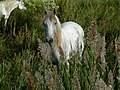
{"type": "Point", "coordinates": [50, 41]}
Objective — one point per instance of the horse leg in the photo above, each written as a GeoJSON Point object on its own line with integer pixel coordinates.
{"type": "Point", "coordinates": [66, 62]}
{"type": "Point", "coordinates": [57, 62]}
{"type": "Point", "coordinates": [81, 48]}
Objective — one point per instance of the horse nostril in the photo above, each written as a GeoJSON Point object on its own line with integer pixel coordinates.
{"type": "Point", "coordinates": [46, 40]}
{"type": "Point", "coordinates": [51, 40]}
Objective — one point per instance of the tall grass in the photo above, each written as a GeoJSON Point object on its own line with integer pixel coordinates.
{"type": "Point", "coordinates": [25, 60]}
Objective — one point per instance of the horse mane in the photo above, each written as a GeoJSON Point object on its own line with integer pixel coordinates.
{"type": "Point", "coordinates": [58, 39]}
{"type": "Point", "coordinates": [58, 36]}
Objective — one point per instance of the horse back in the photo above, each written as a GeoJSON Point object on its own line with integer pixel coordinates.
{"type": "Point", "coordinates": [71, 28]}
{"type": "Point", "coordinates": [72, 34]}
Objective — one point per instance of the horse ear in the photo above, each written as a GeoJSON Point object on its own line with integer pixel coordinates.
{"type": "Point", "coordinates": [54, 11]}
{"type": "Point", "coordinates": [45, 12]}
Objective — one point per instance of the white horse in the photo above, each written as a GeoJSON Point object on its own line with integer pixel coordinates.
{"type": "Point", "coordinates": [64, 38]}
{"type": "Point", "coordinates": [6, 7]}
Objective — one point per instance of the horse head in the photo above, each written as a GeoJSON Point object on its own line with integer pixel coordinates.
{"type": "Point", "coordinates": [21, 5]}
{"type": "Point", "coordinates": [51, 24]}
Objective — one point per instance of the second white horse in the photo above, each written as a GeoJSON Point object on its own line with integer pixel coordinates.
{"type": "Point", "coordinates": [6, 7]}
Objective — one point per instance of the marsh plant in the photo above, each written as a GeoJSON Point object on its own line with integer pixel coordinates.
{"type": "Point", "coordinates": [25, 57]}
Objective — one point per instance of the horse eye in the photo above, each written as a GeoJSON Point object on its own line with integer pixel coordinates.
{"type": "Point", "coordinates": [55, 23]}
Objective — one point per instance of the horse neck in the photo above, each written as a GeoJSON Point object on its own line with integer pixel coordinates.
{"type": "Point", "coordinates": [11, 5]}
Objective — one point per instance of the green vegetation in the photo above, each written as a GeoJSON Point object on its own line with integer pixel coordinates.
{"type": "Point", "coordinates": [25, 65]}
